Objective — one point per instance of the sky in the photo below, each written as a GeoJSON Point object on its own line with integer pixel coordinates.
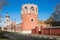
{"type": "Point", "coordinates": [45, 8]}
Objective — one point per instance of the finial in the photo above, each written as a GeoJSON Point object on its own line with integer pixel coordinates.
{"type": "Point", "coordinates": [7, 12]}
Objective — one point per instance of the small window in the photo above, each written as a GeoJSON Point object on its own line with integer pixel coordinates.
{"type": "Point", "coordinates": [32, 8]}
{"type": "Point", "coordinates": [26, 8]}
{"type": "Point", "coordinates": [31, 20]}
{"type": "Point", "coordinates": [36, 9]}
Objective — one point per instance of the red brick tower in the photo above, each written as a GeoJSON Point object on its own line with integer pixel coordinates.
{"type": "Point", "coordinates": [29, 17]}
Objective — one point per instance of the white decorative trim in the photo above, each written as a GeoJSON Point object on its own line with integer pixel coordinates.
{"type": "Point", "coordinates": [26, 32]}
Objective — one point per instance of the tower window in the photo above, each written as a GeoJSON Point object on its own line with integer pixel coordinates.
{"type": "Point", "coordinates": [26, 8]}
{"type": "Point", "coordinates": [36, 9]}
{"type": "Point", "coordinates": [32, 8]}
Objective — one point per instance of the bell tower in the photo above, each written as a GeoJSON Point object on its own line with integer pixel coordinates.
{"type": "Point", "coordinates": [7, 20]}
{"type": "Point", "coordinates": [29, 17]}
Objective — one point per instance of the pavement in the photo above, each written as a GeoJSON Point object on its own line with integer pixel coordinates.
{"type": "Point", "coordinates": [18, 36]}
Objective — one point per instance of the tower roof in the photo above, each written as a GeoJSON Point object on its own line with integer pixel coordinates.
{"type": "Point", "coordinates": [7, 15]}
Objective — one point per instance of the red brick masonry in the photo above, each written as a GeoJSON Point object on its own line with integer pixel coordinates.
{"type": "Point", "coordinates": [47, 31]}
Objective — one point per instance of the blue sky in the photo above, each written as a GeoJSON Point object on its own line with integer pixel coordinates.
{"type": "Point", "coordinates": [45, 8]}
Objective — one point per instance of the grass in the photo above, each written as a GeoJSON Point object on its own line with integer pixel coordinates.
{"type": "Point", "coordinates": [3, 39]}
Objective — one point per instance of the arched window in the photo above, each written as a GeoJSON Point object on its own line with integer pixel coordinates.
{"type": "Point", "coordinates": [7, 20]}
{"type": "Point", "coordinates": [32, 8]}
{"type": "Point", "coordinates": [26, 8]}
{"type": "Point", "coordinates": [36, 9]}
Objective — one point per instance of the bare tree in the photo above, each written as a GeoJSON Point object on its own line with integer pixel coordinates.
{"type": "Point", "coordinates": [56, 14]}
{"type": "Point", "coordinates": [2, 4]}
{"type": "Point", "coordinates": [54, 19]}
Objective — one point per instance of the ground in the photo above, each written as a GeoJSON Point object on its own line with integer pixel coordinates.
{"type": "Point", "coordinates": [18, 36]}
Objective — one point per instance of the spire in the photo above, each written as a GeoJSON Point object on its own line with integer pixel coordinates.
{"type": "Point", "coordinates": [7, 15]}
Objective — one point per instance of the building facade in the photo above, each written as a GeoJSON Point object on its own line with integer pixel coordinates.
{"type": "Point", "coordinates": [30, 20]}
{"type": "Point", "coordinates": [7, 22]}
{"type": "Point", "coordinates": [11, 26]}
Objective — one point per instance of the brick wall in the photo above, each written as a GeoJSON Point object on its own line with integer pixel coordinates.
{"type": "Point", "coordinates": [47, 31]}
{"type": "Point", "coordinates": [51, 31]}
